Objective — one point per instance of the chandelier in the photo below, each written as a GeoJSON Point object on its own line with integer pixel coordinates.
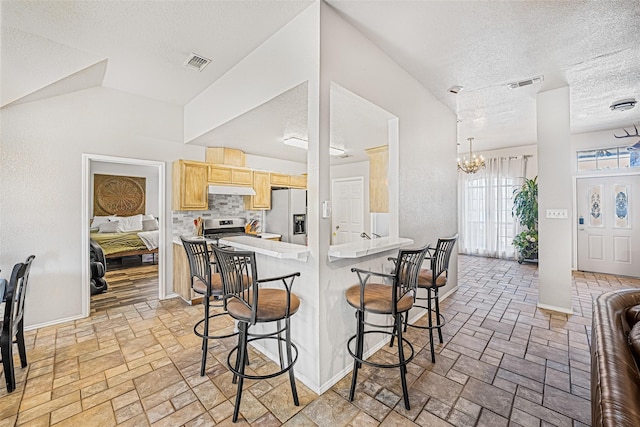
{"type": "Point", "coordinates": [473, 164]}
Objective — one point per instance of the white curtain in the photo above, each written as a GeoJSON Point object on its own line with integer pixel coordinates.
{"type": "Point", "coordinates": [486, 225]}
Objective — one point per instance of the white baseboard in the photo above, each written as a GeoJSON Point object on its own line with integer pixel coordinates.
{"type": "Point", "coordinates": [54, 322]}
{"type": "Point", "coordinates": [343, 373]}
{"type": "Point", "coordinates": [555, 308]}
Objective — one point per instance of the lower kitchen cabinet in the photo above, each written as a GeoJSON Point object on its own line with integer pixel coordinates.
{"type": "Point", "coordinates": [182, 276]}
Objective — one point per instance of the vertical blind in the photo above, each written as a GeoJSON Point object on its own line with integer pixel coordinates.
{"type": "Point", "coordinates": [486, 225]}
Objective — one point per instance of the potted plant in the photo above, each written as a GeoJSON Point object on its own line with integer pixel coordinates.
{"type": "Point", "coordinates": [525, 209]}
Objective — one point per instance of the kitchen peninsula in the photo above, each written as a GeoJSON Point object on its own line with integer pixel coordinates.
{"type": "Point", "coordinates": [362, 248]}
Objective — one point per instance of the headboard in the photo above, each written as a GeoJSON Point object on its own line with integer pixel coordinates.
{"type": "Point", "coordinates": [119, 195]}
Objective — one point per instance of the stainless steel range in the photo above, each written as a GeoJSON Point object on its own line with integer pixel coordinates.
{"type": "Point", "coordinates": [218, 228]}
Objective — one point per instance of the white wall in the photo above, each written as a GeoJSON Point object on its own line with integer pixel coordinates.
{"type": "Point", "coordinates": [41, 176]}
{"type": "Point", "coordinates": [149, 173]}
{"type": "Point", "coordinates": [426, 191]}
{"type": "Point", "coordinates": [554, 185]}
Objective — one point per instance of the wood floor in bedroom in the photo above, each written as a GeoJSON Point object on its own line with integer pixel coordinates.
{"type": "Point", "coordinates": [131, 282]}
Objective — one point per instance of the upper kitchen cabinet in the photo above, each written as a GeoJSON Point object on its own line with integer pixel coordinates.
{"type": "Point", "coordinates": [288, 181]}
{"type": "Point", "coordinates": [227, 175]}
{"type": "Point", "coordinates": [378, 178]}
{"type": "Point", "coordinates": [189, 186]}
{"type": "Point", "coordinates": [298, 181]}
{"type": "Point", "coordinates": [225, 156]}
{"type": "Point", "coordinates": [262, 187]}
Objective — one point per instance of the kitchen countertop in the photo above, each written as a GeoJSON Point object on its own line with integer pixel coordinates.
{"type": "Point", "coordinates": [363, 247]}
{"type": "Point", "coordinates": [272, 248]}
{"type": "Point", "coordinates": [269, 235]}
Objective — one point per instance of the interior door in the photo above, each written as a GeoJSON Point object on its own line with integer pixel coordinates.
{"type": "Point", "coordinates": [347, 220]}
{"type": "Point", "coordinates": [608, 224]}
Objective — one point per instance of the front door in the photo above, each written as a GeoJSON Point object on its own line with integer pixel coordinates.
{"type": "Point", "coordinates": [609, 224]}
{"type": "Point", "coordinates": [348, 210]}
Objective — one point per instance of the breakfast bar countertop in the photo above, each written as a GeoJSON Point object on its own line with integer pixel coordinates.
{"type": "Point", "coordinates": [272, 248]}
{"type": "Point", "coordinates": [363, 248]}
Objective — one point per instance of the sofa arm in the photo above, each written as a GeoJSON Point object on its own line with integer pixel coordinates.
{"type": "Point", "coordinates": [615, 379]}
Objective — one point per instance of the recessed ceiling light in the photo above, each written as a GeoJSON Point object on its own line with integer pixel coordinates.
{"type": "Point", "coordinates": [455, 89]}
{"type": "Point", "coordinates": [623, 104]}
{"type": "Point", "coordinates": [528, 82]}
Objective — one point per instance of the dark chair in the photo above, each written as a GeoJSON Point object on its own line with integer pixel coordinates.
{"type": "Point", "coordinates": [98, 267]}
{"type": "Point", "coordinates": [255, 304]}
{"type": "Point", "coordinates": [394, 298]}
{"type": "Point", "coordinates": [13, 322]}
{"type": "Point", "coordinates": [207, 283]}
{"type": "Point", "coordinates": [432, 280]}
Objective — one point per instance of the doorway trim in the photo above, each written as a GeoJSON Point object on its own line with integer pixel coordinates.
{"type": "Point", "coordinates": [85, 218]}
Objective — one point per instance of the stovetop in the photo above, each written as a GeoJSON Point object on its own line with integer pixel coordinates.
{"type": "Point", "coordinates": [216, 228]}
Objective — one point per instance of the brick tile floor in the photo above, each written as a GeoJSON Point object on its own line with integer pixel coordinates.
{"type": "Point", "coordinates": [503, 362]}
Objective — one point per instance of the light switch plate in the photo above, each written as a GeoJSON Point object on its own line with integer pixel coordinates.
{"type": "Point", "coordinates": [557, 213]}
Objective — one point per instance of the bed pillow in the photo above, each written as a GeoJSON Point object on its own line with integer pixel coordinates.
{"type": "Point", "coordinates": [110, 227]}
{"type": "Point", "coordinates": [148, 216]}
{"type": "Point", "coordinates": [97, 220]}
{"type": "Point", "coordinates": [149, 224]}
{"type": "Point", "coordinates": [131, 223]}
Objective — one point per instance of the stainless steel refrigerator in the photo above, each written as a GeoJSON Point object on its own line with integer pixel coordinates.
{"type": "Point", "coordinates": [288, 215]}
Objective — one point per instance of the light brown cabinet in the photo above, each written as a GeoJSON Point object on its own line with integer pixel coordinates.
{"type": "Point", "coordinates": [262, 187]}
{"type": "Point", "coordinates": [378, 178]}
{"type": "Point", "coordinates": [189, 184]}
{"type": "Point", "coordinates": [288, 181]}
{"type": "Point", "coordinates": [181, 276]}
{"type": "Point", "coordinates": [225, 156]}
{"type": "Point", "coordinates": [279, 180]}
{"type": "Point", "coordinates": [227, 175]}
{"type": "Point", "coordinates": [298, 181]}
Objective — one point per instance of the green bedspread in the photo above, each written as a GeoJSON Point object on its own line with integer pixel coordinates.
{"type": "Point", "coordinates": [112, 243]}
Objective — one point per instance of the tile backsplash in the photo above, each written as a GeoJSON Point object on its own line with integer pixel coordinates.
{"type": "Point", "coordinates": [220, 205]}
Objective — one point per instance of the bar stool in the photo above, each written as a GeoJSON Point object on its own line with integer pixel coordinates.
{"type": "Point", "coordinates": [253, 304]}
{"type": "Point", "coordinates": [378, 297]}
{"type": "Point", "coordinates": [207, 284]}
{"type": "Point", "coordinates": [432, 280]}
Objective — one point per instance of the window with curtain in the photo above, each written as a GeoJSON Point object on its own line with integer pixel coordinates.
{"type": "Point", "coordinates": [486, 225]}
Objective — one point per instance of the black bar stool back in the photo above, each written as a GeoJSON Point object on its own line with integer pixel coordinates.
{"type": "Point", "coordinates": [249, 303]}
{"type": "Point", "coordinates": [394, 298]}
{"type": "Point", "coordinates": [207, 283]}
{"type": "Point", "coordinates": [432, 280]}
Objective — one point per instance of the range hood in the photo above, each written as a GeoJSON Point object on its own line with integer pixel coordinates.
{"type": "Point", "coordinates": [230, 189]}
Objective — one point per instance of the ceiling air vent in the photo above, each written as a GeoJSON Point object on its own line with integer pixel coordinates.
{"type": "Point", "coordinates": [196, 62]}
{"type": "Point", "coordinates": [527, 82]}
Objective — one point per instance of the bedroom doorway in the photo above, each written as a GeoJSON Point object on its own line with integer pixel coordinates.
{"type": "Point", "coordinates": [133, 193]}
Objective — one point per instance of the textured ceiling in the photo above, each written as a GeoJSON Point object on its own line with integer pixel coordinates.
{"type": "Point", "coordinates": [593, 46]}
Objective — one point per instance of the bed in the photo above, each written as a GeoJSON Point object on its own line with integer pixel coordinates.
{"type": "Point", "coordinates": [120, 225]}
{"type": "Point", "coordinates": [116, 245]}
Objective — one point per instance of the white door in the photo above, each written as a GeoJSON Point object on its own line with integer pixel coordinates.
{"type": "Point", "coordinates": [609, 224]}
{"type": "Point", "coordinates": [347, 220]}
